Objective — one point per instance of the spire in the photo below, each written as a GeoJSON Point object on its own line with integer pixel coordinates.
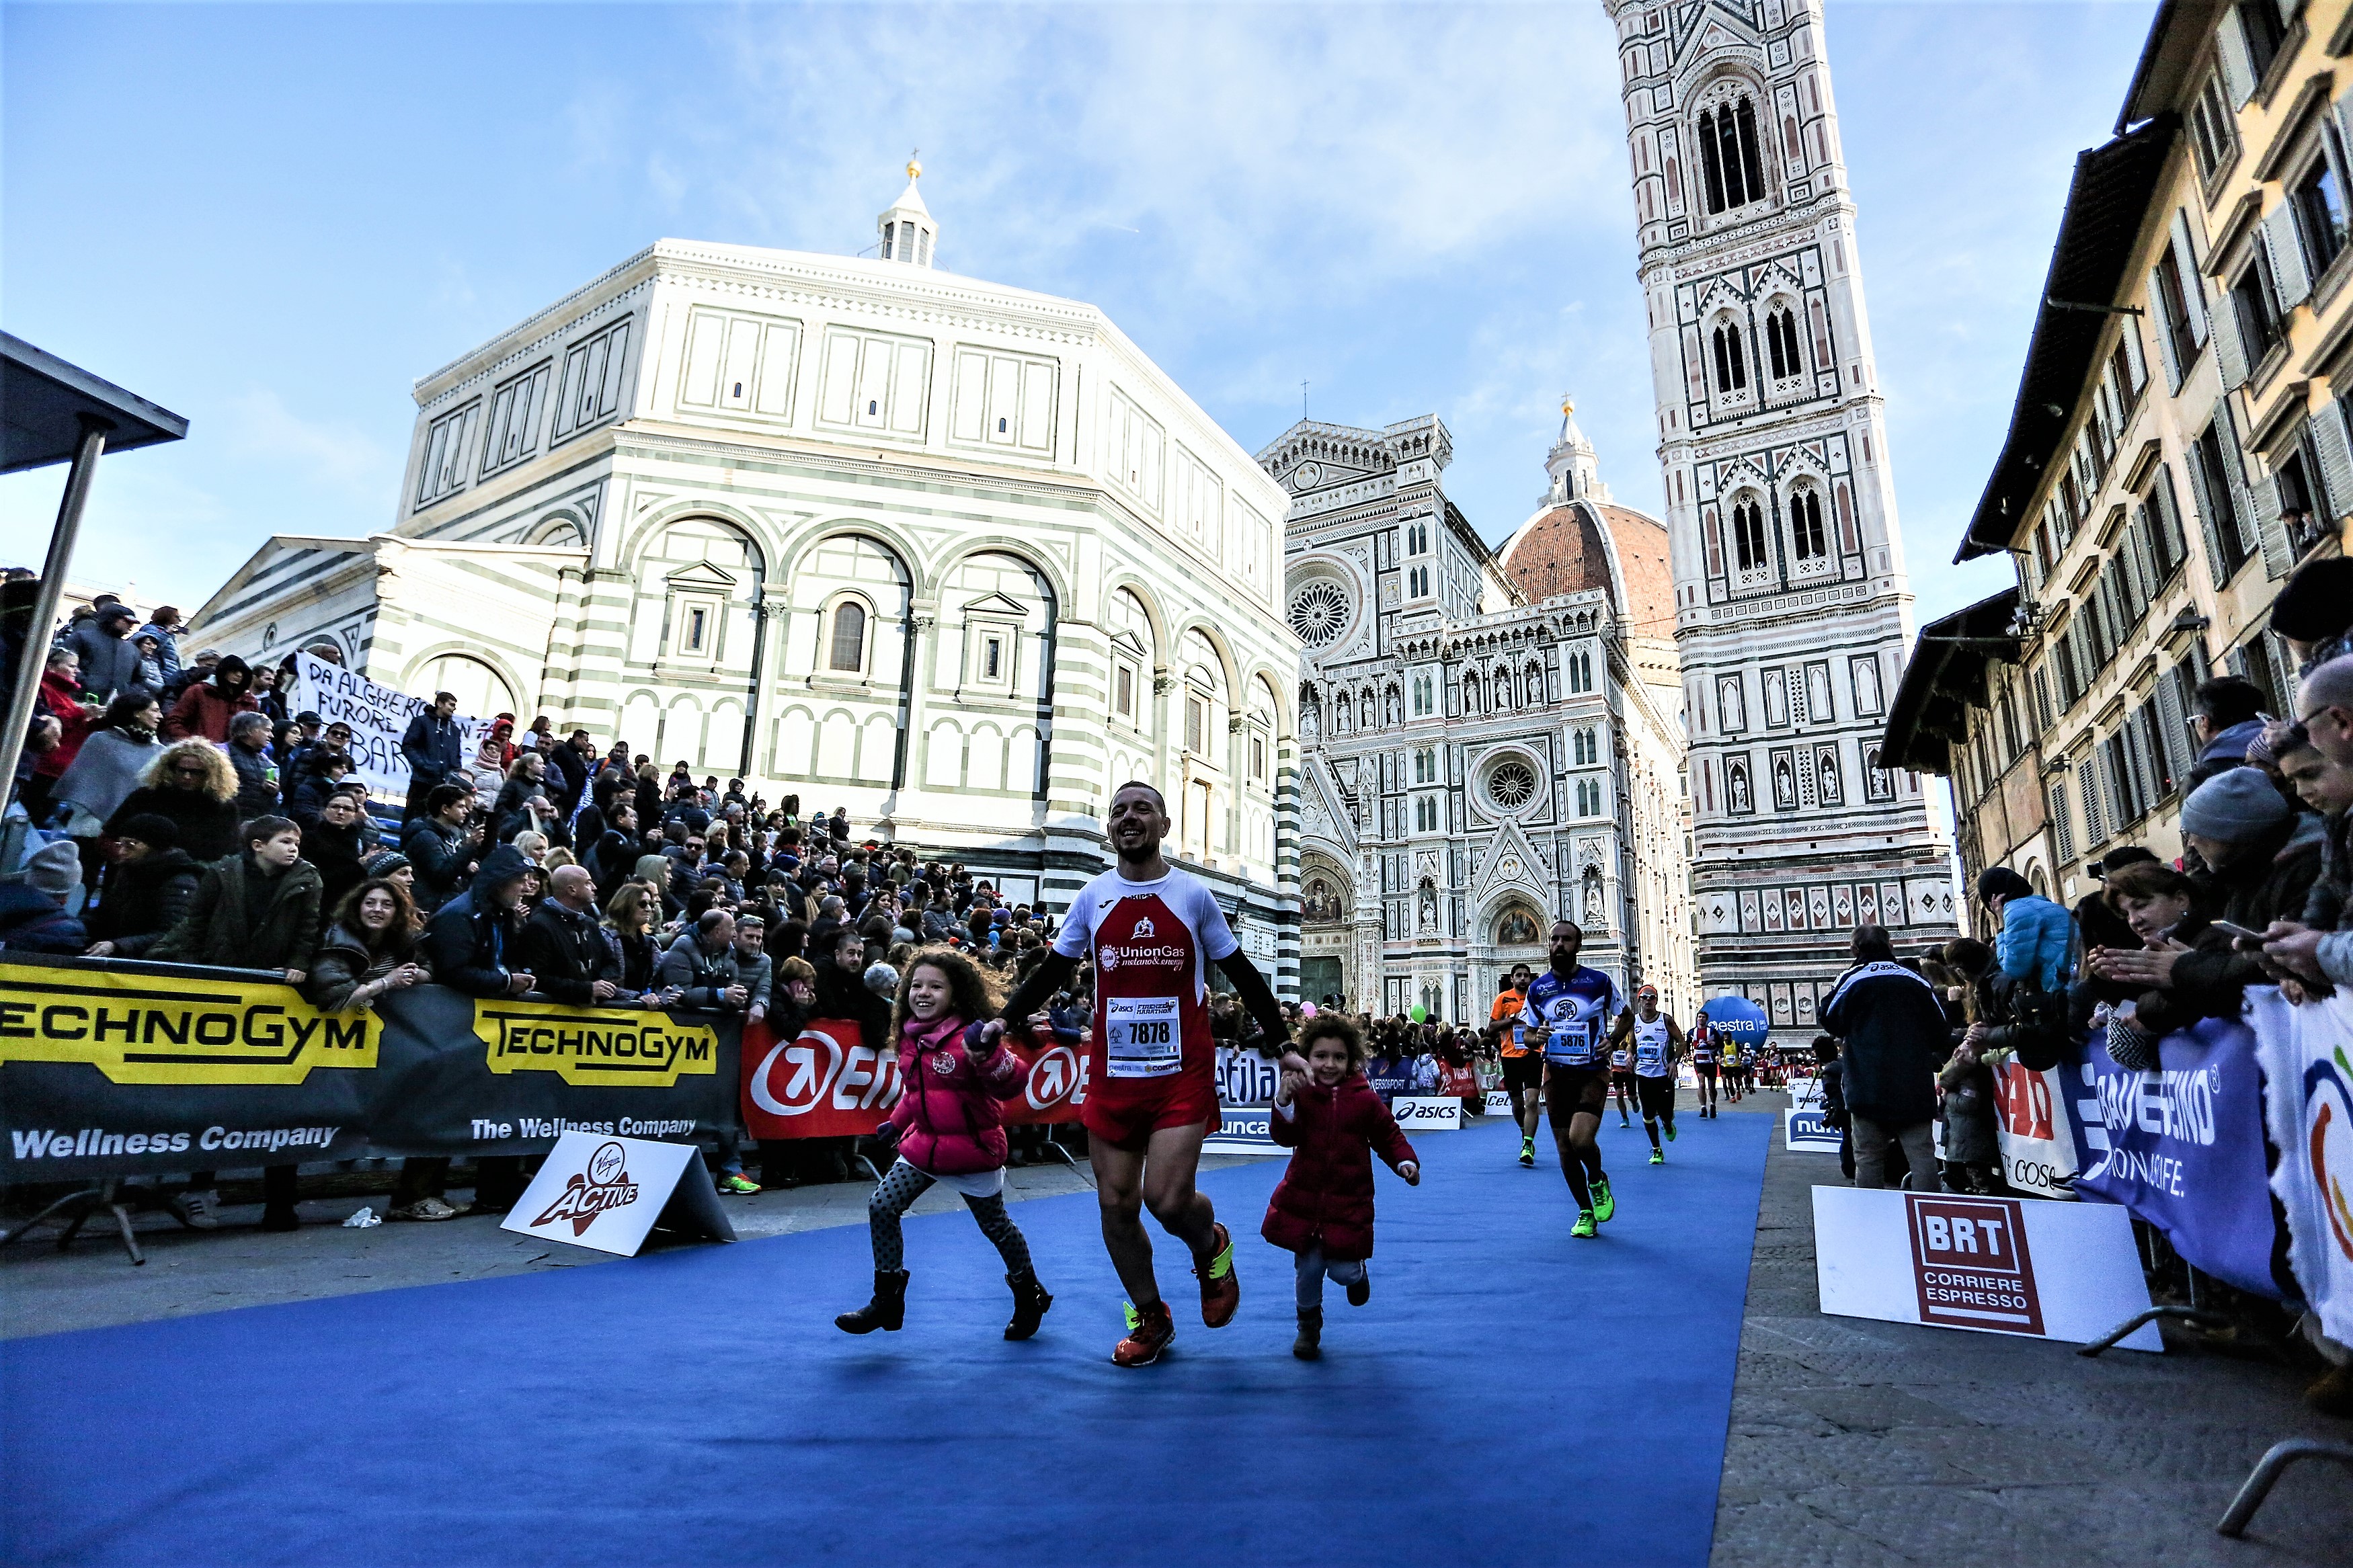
{"type": "Point", "coordinates": [1575, 471]}
{"type": "Point", "coordinates": [908, 231]}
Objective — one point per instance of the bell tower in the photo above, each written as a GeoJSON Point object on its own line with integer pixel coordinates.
{"type": "Point", "coordinates": [908, 231]}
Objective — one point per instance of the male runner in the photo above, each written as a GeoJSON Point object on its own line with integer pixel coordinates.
{"type": "Point", "coordinates": [1621, 1072]}
{"type": "Point", "coordinates": [1569, 1006]}
{"type": "Point", "coordinates": [1656, 1042]}
{"type": "Point", "coordinates": [1152, 1088]}
{"type": "Point", "coordinates": [1702, 1059]}
{"type": "Point", "coordinates": [1729, 1069]}
{"type": "Point", "coordinates": [1523, 1068]}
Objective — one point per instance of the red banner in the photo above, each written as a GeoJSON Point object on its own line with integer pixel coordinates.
{"type": "Point", "coordinates": [828, 1083]}
{"type": "Point", "coordinates": [1458, 1081]}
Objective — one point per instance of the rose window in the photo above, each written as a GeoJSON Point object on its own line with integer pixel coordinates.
{"type": "Point", "coordinates": [1319, 614]}
{"type": "Point", "coordinates": [1513, 785]}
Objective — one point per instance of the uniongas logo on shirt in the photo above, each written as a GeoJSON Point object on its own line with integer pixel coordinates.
{"type": "Point", "coordinates": [1112, 955]}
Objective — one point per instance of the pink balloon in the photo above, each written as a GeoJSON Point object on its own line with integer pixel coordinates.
{"type": "Point", "coordinates": [1307, 1009]}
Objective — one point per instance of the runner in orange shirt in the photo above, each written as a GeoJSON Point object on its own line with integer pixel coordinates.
{"type": "Point", "coordinates": [1523, 1068]}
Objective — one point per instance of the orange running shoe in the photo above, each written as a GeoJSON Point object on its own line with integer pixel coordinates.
{"type": "Point", "coordinates": [1221, 1292]}
{"type": "Point", "coordinates": [1148, 1334]}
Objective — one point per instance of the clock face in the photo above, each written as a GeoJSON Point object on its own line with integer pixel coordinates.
{"type": "Point", "coordinates": [1306, 474]}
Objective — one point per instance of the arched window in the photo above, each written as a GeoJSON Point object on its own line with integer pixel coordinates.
{"type": "Point", "coordinates": [849, 651]}
{"type": "Point", "coordinates": [1727, 150]}
{"type": "Point", "coordinates": [1748, 535]}
{"type": "Point", "coordinates": [1781, 345]}
{"type": "Point", "coordinates": [1805, 525]}
{"type": "Point", "coordinates": [1731, 364]}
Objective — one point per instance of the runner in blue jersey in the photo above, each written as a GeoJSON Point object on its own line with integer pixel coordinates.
{"type": "Point", "coordinates": [1568, 1009]}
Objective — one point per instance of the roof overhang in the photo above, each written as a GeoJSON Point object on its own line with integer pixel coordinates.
{"type": "Point", "coordinates": [44, 402]}
{"type": "Point", "coordinates": [2176, 39]}
{"type": "Point", "coordinates": [1946, 678]}
{"type": "Point", "coordinates": [2107, 206]}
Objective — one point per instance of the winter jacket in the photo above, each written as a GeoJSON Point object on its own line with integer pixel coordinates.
{"type": "Point", "coordinates": [431, 745]}
{"type": "Point", "coordinates": [2329, 904]}
{"type": "Point", "coordinates": [610, 861]}
{"type": "Point", "coordinates": [470, 939]}
{"type": "Point", "coordinates": [143, 900]}
{"type": "Point", "coordinates": [244, 918]}
{"type": "Point", "coordinates": [2231, 745]}
{"type": "Point", "coordinates": [57, 700]}
{"type": "Point", "coordinates": [105, 771]}
{"type": "Point", "coordinates": [168, 651]}
{"type": "Point", "coordinates": [753, 974]}
{"type": "Point", "coordinates": [2036, 934]}
{"type": "Point", "coordinates": [1894, 1032]}
{"type": "Point", "coordinates": [2271, 880]}
{"type": "Point", "coordinates": [1968, 1109]}
{"type": "Point", "coordinates": [840, 994]}
{"type": "Point", "coordinates": [202, 712]}
{"type": "Point", "coordinates": [566, 953]}
{"type": "Point", "coordinates": [1326, 1199]}
{"type": "Point", "coordinates": [699, 976]}
{"type": "Point", "coordinates": [207, 827]}
{"type": "Point", "coordinates": [948, 1116]}
{"type": "Point", "coordinates": [257, 781]}
{"type": "Point", "coordinates": [341, 855]}
{"type": "Point", "coordinates": [32, 921]}
{"type": "Point", "coordinates": [438, 853]}
{"type": "Point", "coordinates": [108, 664]}
{"type": "Point", "coordinates": [636, 963]}
{"type": "Point", "coordinates": [344, 962]}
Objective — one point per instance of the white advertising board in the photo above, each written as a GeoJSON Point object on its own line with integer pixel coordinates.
{"type": "Point", "coordinates": [1806, 1129]}
{"type": "Point", "coordinates": [1428, 1112]}
{"type": "Point", "coordinates": [1499, 1102]}
{"type": "Point", "coordinates": [606, 1192]}
{"type": "Point", "coordinates": [1998, 1266]}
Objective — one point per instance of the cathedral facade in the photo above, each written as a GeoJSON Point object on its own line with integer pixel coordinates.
{"type": "Point", "coordinates": [1489, 739]}
{"type": "Point", "coordinates": [955, 556]}
{"type": "Point", "coordinates": [1791, 607]}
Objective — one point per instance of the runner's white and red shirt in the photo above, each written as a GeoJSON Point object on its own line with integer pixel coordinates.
{"type": "Point", "coordinates": [1151, 943]}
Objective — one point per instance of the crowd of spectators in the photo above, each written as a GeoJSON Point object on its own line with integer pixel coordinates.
{"type": "Point", "coordinates": [183, 814]}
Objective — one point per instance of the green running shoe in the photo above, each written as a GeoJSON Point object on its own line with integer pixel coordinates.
{"type": "Point", "coordinates": [1671, 1132]}
{"type": "Point", "coordinates": [1605, 1203]}
{"type": "Point", "coordinates": [1656, 1158]}
{"type": "Point", "coordinates": [1528, 1153]}
{"type": "Point", "coordinates": [1583, 1226]}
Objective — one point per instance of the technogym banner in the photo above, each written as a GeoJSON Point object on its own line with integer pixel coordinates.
{"type": "Point", "coordinates": [116, 1069]}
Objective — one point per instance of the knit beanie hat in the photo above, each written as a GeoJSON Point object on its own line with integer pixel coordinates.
{"type": "Point", "coordinates": [383, 863]}
{"type": "Point", "coordinates": [55, 870]}
{"type": "Point", "coordinates": [2000, 880]}
{"type": "Point", "coordinates": [2234, 805]}
{"type": "Point", "coordinates": [151, 828]}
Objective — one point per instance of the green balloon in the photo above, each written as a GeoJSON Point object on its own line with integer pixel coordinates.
{"type": "Point", "coordinates": [1419, 1015]}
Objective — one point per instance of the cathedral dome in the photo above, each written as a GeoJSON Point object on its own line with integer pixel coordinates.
{"type": "Point", "coordinates": [1568, 549]}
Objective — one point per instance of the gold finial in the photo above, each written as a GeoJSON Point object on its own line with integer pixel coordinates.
{"type": "Point", "coordinates": [1567, 405]}
{"type": "Point", "coordinates": [914, 168]}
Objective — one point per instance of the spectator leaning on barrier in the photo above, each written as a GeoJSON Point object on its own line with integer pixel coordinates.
{"type": "Point", "coordinates": [1894, 1036]}
{"type": "Point", "coordinates": [440, 844]}
{"type": "Point", "coordinates": [2161, 905]}
{"type": "Point", "coordinates": [256, 909]}
{"type": "Point", "coordinates": [433, 747]}
{"type": "Point", "coordinates": [204, 710]}
{"type": "Point", "coordinates": [700, 966]}
{"type": "Point", "coordinates": [562, 945]}
{"type": "Point", "coordinates": [147, 890]}
{"type": "Point", "coordinates": [192, 783]}
{"type": "Point", "coordinates": [2035, 932]}
{"type": "Point", "coordinates": [470, 939]}
{"type": "Point", "coordinates": [37, 912]}
{"type": "Point", "coordinates": [2096, 924]}
{"type": "Point", "coordinates": [631, 916]}
{"type": "Point", "coordinates": [2327, 787]}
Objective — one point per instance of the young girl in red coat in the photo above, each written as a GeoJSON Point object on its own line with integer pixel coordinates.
{"type": "Point", "coordinates": [1322, 1209]}
{"type": "Point", "coordinates": [953, 1072]}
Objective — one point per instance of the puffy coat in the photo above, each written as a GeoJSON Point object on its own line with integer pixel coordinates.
{"type": "Point", "coordinates": [244, 918]}
{"type": "Point", "coordinates": [32, 921]}
{"type": "Point", "coordinates": [144, 898]}
{"type": "Point", "coordinates": [207, 827]}
{"type": "Point", "coordinates": [1325, 1199]}
{"type": "Point", "coordinates": [1894, 1033]}
{"type": "Point", "coordinates": [949, 1119]}
{"type": "Point", "coordinates": [204, 711]}
{"type": "Point", "coordinates": [2035, 937]}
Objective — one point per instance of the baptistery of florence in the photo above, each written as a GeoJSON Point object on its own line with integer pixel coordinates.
{"type": "Point", "coordinates": [953, 555]}
{"type": "Point", "coordinates": [1491, 738]}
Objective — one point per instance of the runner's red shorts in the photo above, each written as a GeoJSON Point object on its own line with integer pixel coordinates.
{"type": "Point", "coordinates": [1126, 1113]}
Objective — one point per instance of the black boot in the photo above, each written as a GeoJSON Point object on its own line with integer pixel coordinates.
{"type": "Point", "coordinates": [1309, 1345]}
{"type": "Point", "coordinates": [887, 1310]}
{"type": "Point", "coordinates": [1031, 1303]}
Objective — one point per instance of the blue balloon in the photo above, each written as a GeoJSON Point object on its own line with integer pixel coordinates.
{"type": "Point", "coordinates": [1738, 1018]}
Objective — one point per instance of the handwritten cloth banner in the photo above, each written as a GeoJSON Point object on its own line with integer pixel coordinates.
{"type": "Point", "coordinates": [378, 716]}
{"type": "Point", "coordinates": [2307, 1060]}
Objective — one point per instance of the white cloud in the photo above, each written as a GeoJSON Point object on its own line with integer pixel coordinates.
{"type": "Point", "coordinates": [329, 454]}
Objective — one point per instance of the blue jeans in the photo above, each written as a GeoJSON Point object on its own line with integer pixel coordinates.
{"type": "Point", "coordinates": [1312, 1269]}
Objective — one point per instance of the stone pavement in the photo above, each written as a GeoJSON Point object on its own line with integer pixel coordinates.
{"type": "Point", "coordinates": [1856, 1442]}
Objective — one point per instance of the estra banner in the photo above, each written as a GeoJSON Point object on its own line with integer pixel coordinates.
{"type": "Point", "coordinates": [2038, 1146]}
{"type": "Point", "coordinates": [828, 1082]}
{"type": "Point", "coordinates": [1998, 1266]}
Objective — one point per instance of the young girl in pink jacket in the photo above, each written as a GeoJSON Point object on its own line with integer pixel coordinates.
{"type": "Point", "coordinates": [953, 1072]}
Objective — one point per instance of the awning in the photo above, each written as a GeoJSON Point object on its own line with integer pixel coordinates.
{"type": "Point", "coordinates": [1946, 678]}
{"type": "Point", "coordinates": [43, 401]}
{"type": "Point", "coordinates": [2106, 206]}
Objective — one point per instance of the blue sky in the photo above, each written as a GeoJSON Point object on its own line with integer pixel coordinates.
{"type": "Point", "coordinates": [293, 211]}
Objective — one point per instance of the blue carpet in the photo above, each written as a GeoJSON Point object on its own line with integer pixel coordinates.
{"type": "Point", "coordinates": [1508, 1397]}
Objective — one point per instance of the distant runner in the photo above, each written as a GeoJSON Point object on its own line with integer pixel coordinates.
{"type": "Point", "coordinates": [1702, 1060]}
{"type": "Point", "coordinates": [1656, 1042]}
{"type": "Point", "coordinates": [1523, 1068]}
{"type": "Point", "coordinates": [1569, 1006]}
{"type": "Point", "coordinates": [1621, 1072]}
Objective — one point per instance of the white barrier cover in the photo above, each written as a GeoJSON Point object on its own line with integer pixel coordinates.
{"type": "Point", "coordinates": [606, 1192]}
{"type": "Point", "coordinates": [2037, 1147]}
{"type": "Point", "coordinates": [1994, 1266]}
{"type": "Point", "coordinates": [2307, 1054]}
{"type": "Point", "coordinates": [1806, 1129]}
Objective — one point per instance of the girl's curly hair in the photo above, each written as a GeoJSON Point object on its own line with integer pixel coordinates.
{"type": "Point", "coordinates": [973, 994]}
{"type": "Point", "coordinates": [1332, 1026]}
